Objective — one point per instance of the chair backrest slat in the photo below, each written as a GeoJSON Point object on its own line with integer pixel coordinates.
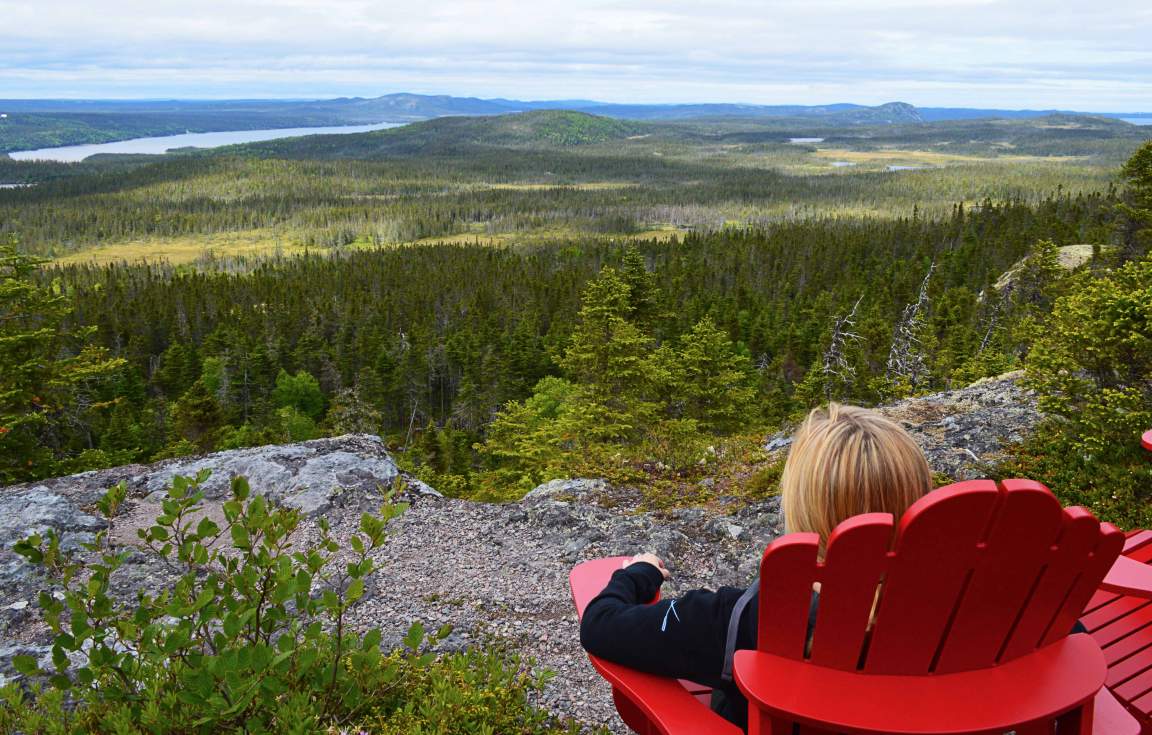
{"type": "Point", "coordinates": [936, 550]}
{"type": "Point", "coordinates": [1109, 545]}
{"type": "Point", "coordinates": [787, 572]}
{"type": "Point", "coordinates": [854, 564]}
{"type": "Point", "coordinates": [1080, 534]}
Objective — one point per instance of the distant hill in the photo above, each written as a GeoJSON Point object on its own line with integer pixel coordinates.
{"type": "Point", "coordinates": [453, 135]}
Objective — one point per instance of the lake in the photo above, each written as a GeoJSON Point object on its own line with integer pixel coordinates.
{"type": "Point", "coordinates": [73, 153]}
{"type": "Point", "coordinates": [1138, 120]}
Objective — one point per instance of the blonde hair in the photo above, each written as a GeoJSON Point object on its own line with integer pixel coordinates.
{"type": "Point", "coordinates": [847, 460]}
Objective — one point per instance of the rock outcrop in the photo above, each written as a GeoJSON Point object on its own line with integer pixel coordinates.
{"type": "Point", "coordinates": [493, 571]}
{"type": "Point", "coordinates": [962, 432]}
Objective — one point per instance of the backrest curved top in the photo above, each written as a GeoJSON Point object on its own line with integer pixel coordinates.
{"type": "Point", "coordinates": [975, 574]}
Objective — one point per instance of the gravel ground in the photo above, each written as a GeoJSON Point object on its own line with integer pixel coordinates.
{"type": "Point", "coordinates": [500, 573]}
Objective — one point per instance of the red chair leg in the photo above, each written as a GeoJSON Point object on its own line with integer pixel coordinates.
{"type": "Point", "coordinates": [761, 723]}
{"type": "Point", "coordinates": [1078, 721]}
{"type": "Point", "coordinates": [632, 715]}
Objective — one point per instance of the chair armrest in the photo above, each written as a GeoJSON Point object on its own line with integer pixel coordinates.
{"type": "Point", "coordinates": [1129, 577]}
{"type": "Point", "coordinates": [1040, 685]}
{"type": "Point", "coordinates": [1111, 718]}
{"type": "Point", "coordinates": [588, 579]}
{"type": "Point", "coordinates": [664, 703]}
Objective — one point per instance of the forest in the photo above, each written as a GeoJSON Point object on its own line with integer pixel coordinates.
{"type": "Point", "coordinates": [509, 298]}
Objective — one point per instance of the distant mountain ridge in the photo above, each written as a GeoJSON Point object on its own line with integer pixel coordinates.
{"type": "Point", "coordinates": [403, 106]}
{"type": "Point", "coordinates": [31, 124]}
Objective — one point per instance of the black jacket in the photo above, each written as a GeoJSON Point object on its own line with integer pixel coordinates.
{"type": "Point", "coordinates": [681, 638]}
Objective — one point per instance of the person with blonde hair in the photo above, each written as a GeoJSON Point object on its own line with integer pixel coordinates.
{"type": "Point", "coordinates": [843, 461]}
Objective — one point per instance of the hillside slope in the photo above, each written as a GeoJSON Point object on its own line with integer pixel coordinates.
{"type": "Point", "coordinates": [456, 135]}
{"type": "Point", "coordinates": [494, 571]}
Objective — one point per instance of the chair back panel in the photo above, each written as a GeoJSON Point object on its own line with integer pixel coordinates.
{"type": "Point", "coordinates": [974, 575]}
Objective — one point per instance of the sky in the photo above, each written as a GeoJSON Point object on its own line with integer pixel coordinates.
{"type": "Point", "coordinates": [969, 53]}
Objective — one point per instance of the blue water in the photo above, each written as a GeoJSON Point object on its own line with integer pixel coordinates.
{"type": "Point", "coordinates": [73, 153]}
{"type": "Point", "coordinates": [1138, 120]}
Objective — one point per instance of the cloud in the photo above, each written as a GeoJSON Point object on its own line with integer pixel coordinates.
{"type": "Point", "coordinates": [1021, 53]}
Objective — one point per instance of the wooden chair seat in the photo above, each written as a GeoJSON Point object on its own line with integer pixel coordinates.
{"type": "Point", "coordinates": [1120, 620]}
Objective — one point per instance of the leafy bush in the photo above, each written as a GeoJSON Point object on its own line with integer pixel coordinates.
{"type": "Point", "coordinates": [1092, 368]}
{"type": "Point", "coordinates": [250, 636]}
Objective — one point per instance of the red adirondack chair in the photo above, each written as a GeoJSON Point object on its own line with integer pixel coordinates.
{"type": "Point", "coordinates": [954, 621]}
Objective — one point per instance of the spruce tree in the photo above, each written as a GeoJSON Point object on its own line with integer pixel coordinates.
{"type": "Point", "coordinates": [607, 354]}
{"type": "Point", "coordinates": [49, 384]}
{"type": "Point", "coordinates": [1135, 208]}
{"type": "Point", "coordinates": [708, 379]}
{"type": "Point", "coordinates": [196, 417]}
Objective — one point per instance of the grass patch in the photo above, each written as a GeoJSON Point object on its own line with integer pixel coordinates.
{"type": "Point", "coordinates": [189, 248]}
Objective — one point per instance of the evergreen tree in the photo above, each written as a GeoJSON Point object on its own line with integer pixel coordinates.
{"type": "Point", "coordinates": [196, 417]}
{"type": "Point", "coordinates": [49, 382]}
{"type": "Point", "coordinates": [708, 379]}
{"type": "Point", "coordinates": [1135, 209]}
{"type": "Point", "coordinates": [608, 355]}
{"type": "Point", "coordinates": [351, 414]}
{"type": "Point", "coordinates": [643, 294]}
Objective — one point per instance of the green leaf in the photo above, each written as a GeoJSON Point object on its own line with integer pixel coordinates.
{"type": "Point", "coordinates": [60, 681]}
{"type": "Point", "coordinates": [240, 538]}
{"type": "Point", "coordinates": [355, 590]}
{"type": "Point", "coordinates": [25, 665]}
{"type": "Point", "coordinates": [59, 657]}
{"type": "Point", "coordinates": [415, 636]}
{"type": "Point", "coordinates": [371, 640]}
{"type": "Point", "coordinates": [207, 527]}
{"type": "Point", "coordinates": [240, 487]}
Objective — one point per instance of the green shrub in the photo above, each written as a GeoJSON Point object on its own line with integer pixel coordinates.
{"type": "Point", "coordinates": [251, 636]}
{"type": "Point", "coordinates": [1092, 369]}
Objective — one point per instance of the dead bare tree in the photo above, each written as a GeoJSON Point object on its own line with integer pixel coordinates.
{"type": "Point", "coordinates": [906, 361]}
{"type": "Point", "coordinates": [836, 367]}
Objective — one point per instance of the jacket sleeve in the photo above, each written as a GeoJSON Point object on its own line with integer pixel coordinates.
{"type": "Point", "coordinates": [681, 637]}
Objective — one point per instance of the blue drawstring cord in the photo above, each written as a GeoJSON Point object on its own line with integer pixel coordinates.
{"type": "Point", "coordinates": [671, 609]}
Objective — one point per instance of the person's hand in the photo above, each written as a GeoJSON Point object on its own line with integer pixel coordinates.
{"type": "Point", "coordinates": [651, 559]}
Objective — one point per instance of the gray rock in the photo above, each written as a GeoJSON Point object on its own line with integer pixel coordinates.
{"type": "Point", "coordinates": [963, 432]}
{"type": "Point", "coordinates": [966, 431]}
{"type": "Point", "coordinates": [309, 476]}
{"type": "Point", "coordinates": [778, 442]}
{"type": "Point", "coordinates": [37, 509]}
{"type": "Point", "coordinates": [578, 490]}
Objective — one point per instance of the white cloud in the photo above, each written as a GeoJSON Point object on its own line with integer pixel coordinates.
{"type": "Point", "coordinates": [1022, 53]}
